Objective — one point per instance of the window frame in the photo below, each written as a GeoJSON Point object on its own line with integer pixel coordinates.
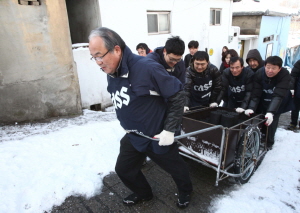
{"type": "Point", "coordinates": [268, 38]}
{"type": "Point", "coordinates": [158, 13]}
{"type": "Point", "coordinates": [215, 9]}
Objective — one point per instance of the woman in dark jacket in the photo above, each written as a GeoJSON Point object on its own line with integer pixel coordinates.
{"type": "Point", "coordinates": [226, 58]}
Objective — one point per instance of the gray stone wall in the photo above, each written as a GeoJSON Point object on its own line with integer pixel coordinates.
{"type": "Point", "coordinates": [250, 25]}
{"type": "Point", "coordinates": [38, 77]}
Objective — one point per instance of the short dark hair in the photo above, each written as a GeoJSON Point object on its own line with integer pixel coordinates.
{"type": "Point", "coordinates": [200, 56]}
{"type": "Point", "coordinates": [143, 46]}
{"type": "Point", "coordinates": [235, 59]}
{"type": "Point", "coordinates": [232, 53]}
{"type": "Point", "coordinates": [274, 60]}
{"type": "Point", "coordinates": [193, 44]}
{"type": "Point", "coordinates": [110, 38]}
{"type": "Point", "coordinates": [175, 45]}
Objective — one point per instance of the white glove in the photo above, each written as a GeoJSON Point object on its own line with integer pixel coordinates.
{"type": "Point", "coordinates": [239, 110]}
{"type": "Point", "coordinates": [248, 112]}
{"type": "Point", "coordinates": [293, 92]}
{"type": "Point", "coordinates": [186, 109]}
{"type": "Point", "coordinates": [213, 105]}
{"type": "Point", "coordinates": [269, 117]}
{"type": "Point", "coordinates": [165, 138]}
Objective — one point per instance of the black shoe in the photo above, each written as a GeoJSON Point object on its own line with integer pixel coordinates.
{"type": "Point", "coordinates": [134, 199]}
{"type": "Point", "coordinates": [183, 200]}
{"type": "Point", "coordinates": [291, 127]}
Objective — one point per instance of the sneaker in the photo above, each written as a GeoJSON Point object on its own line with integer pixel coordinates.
{"type": "Point", "coordinates": [291, 127]}
{"type": "Point", "coordinates": [183, 200]}
{"type": "Point", "coordinates": [134, 199]}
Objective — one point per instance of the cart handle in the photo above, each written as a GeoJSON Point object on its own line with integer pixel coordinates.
{"type": "Point", "coordinates": [179, 136]}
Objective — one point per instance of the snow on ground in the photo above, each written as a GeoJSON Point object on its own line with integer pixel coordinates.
{"type": "Point", "coordinates": [42, 164]}
{"type": "Point", "coordinates": [275, 187]}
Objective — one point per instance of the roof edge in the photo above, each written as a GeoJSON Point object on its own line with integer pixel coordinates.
{"type": "Point", "coordinates": [262, 13]}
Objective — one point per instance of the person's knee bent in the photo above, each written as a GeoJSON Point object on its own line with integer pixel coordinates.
{"type": "Point", "coordinates": [120, 170]}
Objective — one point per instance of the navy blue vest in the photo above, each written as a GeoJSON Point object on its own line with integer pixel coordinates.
{"type": "Point", "coordinates": [236, 91]}
{"type": "Point", "coordinates": [267, 94]}
{"type": "Point", "coordinates": [138, 93]}
{"type": "Point", "coordinates": [201, 91]}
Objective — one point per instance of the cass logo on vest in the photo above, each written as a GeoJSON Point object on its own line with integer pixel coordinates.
{"type": "Point", "coordinates": [208, 94]}
{"type": "Point", "coordinates": [203, 87]}
{"type": "Point", "coordinates": [120, 98]}
{"type": "Point", "coordinates": [269, 91]}
{"type": "Point", "coordinates": [237, 89]}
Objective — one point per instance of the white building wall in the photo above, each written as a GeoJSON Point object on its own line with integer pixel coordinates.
{"type": "Point", "coordinates": [189, 20]}
{"type": "Point", "coordinates": [92, 81]}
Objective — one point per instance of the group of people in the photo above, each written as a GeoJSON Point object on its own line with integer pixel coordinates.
{"type": "Point", "coordinates": [151, 93]}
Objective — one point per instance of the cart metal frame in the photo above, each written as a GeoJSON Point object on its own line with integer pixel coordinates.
{"type": "Point", "coordinates": [222, 171]}
{"type": "Point", "coordinates": [221, 168]}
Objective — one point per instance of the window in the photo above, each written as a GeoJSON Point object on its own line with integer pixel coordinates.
{"type": "Point", "coordinates": [158, 22]}
{"type": "Point", "coordinates": [28, 2]}
{"type": "Point", "coordinates": [269, 50]}
{"type": "Point", "coordinates": [268, 38]}
{"type": "Point", "coordinates": [215, 16]}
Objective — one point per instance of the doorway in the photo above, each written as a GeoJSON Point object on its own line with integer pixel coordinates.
{"type": "Point", "coordinates": [84, 16]}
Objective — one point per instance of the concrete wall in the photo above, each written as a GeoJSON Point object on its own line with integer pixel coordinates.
{"type": "Point", "coordinates": [189, 20]}
{"type": "Point", "coordinates": [84, 16]}
{"type": "Point", "coordinates": [38, 77]}
{"type": "Point", "coordinates": [279, 27]}
{"type": "Point", "coordinates": [250, 25]}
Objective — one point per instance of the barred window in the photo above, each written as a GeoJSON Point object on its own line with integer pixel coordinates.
{"type": "Point", "coordinates": [215, 16]}
{"type": "Point", "coordinates": [158, 22]}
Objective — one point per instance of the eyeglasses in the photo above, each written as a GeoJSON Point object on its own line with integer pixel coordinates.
{"type": "Point", "coordinates": [99, 58]}
{"type": "Point", "coordinates": [173, 59]}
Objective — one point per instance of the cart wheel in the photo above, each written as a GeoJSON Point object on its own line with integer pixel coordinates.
{"type": "Point", "coordinates": [247, 154]}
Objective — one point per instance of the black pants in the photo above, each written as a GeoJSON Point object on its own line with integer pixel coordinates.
{"type": "Point", "coordinates": [271, 130]}
{"type": "Point", "coordinates": [129, 163]}
{"type": "Point", "coordinates": [295, 112]}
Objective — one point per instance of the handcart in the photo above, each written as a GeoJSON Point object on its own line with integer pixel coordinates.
{"type": "Point", "coordinates": [221, 139]}
{"type": "Point", "coordinates": [228, 142]}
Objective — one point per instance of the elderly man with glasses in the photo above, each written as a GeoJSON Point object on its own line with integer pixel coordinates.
{"type": "Point", "coordinates": [147, 101]}
{"type": "Point", "coordinates": [170, 56]}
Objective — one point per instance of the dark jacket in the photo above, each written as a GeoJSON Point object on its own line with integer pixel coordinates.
{"type": "Point", "coordinates": [237, 88]}
{"type": "Point", "coordinates": [279, 92]}
{"type": "Point", "coordinates": [255, 55]}
{"type": "Point", "coordinates": [187, 60]}
{"type": "Point", "coordinates": [211, 71]}
{"type": "Point", "coordinates": [139, 90]}
{"type": "Point", "coordinates": [295, 74]}
{"type": "Point", "coordinates": [178, 70]}
{"type": "Point", "coordinates": [223, 67]}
